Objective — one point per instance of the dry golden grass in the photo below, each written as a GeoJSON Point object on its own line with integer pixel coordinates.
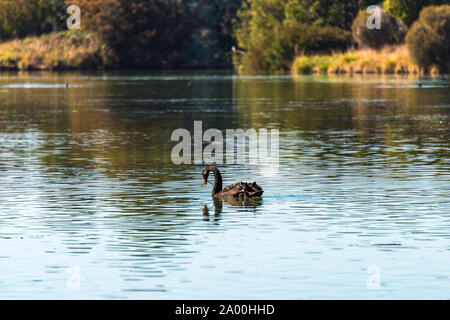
{"type": "Point", "coordinates": [56, 51]}
{"type": "Point", "coordinates": [389, 60]}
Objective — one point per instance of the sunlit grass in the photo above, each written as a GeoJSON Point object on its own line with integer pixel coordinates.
{"type": "Point", "coordinates": [56, 51]}
{"type": "Point", "coordinates": [389, 60]}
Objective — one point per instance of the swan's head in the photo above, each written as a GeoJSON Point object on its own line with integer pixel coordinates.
{"type": "Point", "coordinates": [205, 174]}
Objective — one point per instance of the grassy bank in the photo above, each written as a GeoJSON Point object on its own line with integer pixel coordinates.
{"type": "Point", "coordinates": [68, 50]}
{"type": "Point", "coordinates": [390, 60]}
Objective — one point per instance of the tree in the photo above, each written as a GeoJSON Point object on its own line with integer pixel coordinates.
{"type": "Point", "coordinates": [428, 38]}
{"type": "Point", "coordinates": [141, 33]}
{"type": "Point", "coordinates": [269, 29]}
{"type": "Point", "coordinates": [257, 18]}
{"type": "Point", "coordinates": [21, 18]}
{"type": "Point", "coordinates": [211, 35]}
{"type": "Point", "coordinates": [392, 31]}
{"type": "Point", "coordinates": [303, 39]}
{"type": "Point", "coordinates": [322, 12]}
{"type": "Point", "coordinates": [163, 33]}
{"type": "Point", "coordinates": [408, 10]}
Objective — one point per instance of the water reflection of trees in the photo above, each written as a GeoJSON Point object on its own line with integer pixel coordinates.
{"type": "Point", "coordinates": [104, 147]}
{"type": "Point", "coordinates": [103, 156]}
{"type": "Point", "coordinates": [356, 117]}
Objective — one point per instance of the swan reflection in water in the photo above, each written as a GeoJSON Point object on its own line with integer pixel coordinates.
{"type": "Point", "coordinates": [250, 203]}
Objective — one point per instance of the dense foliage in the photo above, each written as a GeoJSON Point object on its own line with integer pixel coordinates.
{"type": "Point", "coordinates": [21, 18]}
{"type": "Point", "coordinates": [257, 18]}
{"type": "Point", "coordinates": [163, 33]}
{"type": "Point", "coordinates": [392, 31]}
{"type": "Point", "coordinates": [277, 50]}
{"type": "Point", "coordinates": [66, 50]}
{"type": "Point", "coordinates": [202, 33]}
{"type": "Point", "coordinates": [408, 10]}
{"type": "Point", "coordinates": [273, 31]}
{"type": "Point", "coordinates": [141, 33]}
{"type": "Point", "coordinates": [428, 38]}
{"type": "Point", "coordinates": [131, 29]}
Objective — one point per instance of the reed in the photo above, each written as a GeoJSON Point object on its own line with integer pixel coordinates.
{"type": "Point", "coordinates": [389, 60]}
{"type": "Point", "coordinates": [55, 51]}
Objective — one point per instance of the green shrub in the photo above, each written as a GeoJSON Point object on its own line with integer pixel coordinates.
{"type": "Point", "coordinates": [408, 10]}
{"type": "Point", "coordinates": [428, 39]}
{"type": "Point", "coordinates": [277, 50]}
{"type": "Point", "coordinates": [254, 60]}
{"type": "Point", "coordinates": [304, 65]}
{"type": "Point", "coordinates": [392, 31]}
{"type": "Point", "coordinates": [311, 64]}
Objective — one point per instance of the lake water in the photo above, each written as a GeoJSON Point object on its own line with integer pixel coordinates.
{"type": "Point", "coordinates": [91, 205]}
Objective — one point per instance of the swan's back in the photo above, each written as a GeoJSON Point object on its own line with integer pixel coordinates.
{"type": "Point", "coordinates": [242, 189]}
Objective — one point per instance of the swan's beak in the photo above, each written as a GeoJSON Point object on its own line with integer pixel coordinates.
{"type": "Point", "coordinates": [206, 181]}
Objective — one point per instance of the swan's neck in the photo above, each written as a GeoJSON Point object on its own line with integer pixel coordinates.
{"type": "Point", "coordinates": [217, 181]}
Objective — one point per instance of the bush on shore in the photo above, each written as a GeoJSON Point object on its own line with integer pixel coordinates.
{"type": "Point", "coordinates": [273, 32]}
{"type": "Point", "coordinates": [276, 51]}
{"type": "Point", "coordinates": [257, 18]}
{"type": "Point", "coordinates": [392, 31]}
{"type": "Point", "coordinates": [428, 39]}
{"type": "Point", "coordinates": [56, 51]}
{"type": "Point", "coordinates": [143, 34]}
{"type": "Point", "coordinates": [163, 33]}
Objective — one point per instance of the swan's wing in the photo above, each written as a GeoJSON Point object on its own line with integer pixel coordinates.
{"type": "Point", "coordinates": [234, 190]}
{"type": "Point", "coordinates": [242, 189]}
{"type": "Point", "coordinates": [257, 193]}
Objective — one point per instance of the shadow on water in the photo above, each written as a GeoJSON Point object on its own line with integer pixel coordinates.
{"type": "Point", "coordinates": [249, 204]}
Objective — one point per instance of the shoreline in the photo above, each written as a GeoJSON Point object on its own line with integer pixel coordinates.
{"type": "Point", "coordinates": [81, 51]}
{"type": "Point", "coordinates": [226, 72]}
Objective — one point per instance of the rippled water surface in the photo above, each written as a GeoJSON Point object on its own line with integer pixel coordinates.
{"type": "Point", "coordinates": [91, 205]}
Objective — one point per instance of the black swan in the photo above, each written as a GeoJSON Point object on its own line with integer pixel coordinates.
{"type": "Point", "coordinates": [240, 189]}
